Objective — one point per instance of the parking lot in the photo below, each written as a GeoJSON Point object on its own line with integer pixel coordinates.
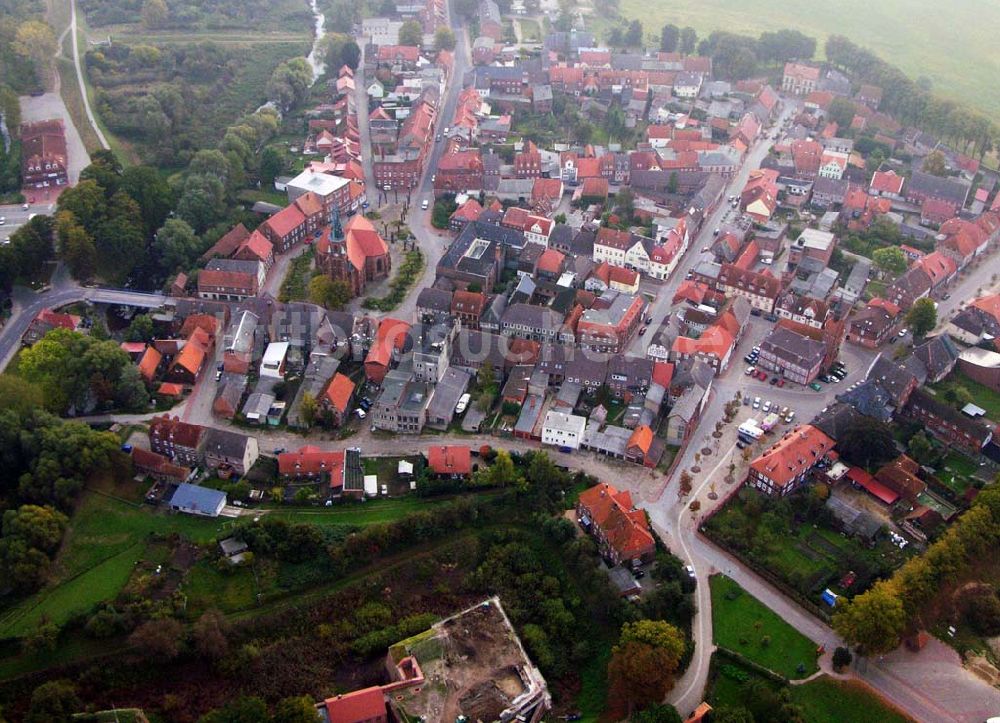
{"type": "Point", "coordinates": [15, 216]}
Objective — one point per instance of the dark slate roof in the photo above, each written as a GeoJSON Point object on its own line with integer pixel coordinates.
{"type": "Point", "coordinates": [583, 243]}
{"type": "Point", "coordinates": [561, 237]}
{"type": "Point", "coordinates": [938, 355]}
{"type": "Point", "coordinates": [195, 498]}
{"type": "Point", "coordinates": [870, 399]}
{"type": "Point", "coordinates": [225, 443]}
{"type": "Point", "coordinates": [895, 378]}
{"type": "Point", "coordinates": [836, 420]}
{"type": "Point", "coordinates": [951, 189]}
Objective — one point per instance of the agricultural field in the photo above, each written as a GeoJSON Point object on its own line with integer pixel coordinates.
{"type": "Point", "coordinates": [952, 44]}
{"type": "Point", "coordinates": [743, 624]}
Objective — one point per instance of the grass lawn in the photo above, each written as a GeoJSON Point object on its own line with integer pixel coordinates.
{"type": "Point", "coordinates": [826, 700]}
{"type": "Point", "coordinates": [727, 685]}
{"type": "Point", "coordinates": [530, 32]}
{"type": "Point", "coordinates": [105, 539]}
{"type": "Point", "coordinates": [295, 287]}
{"type": "Point", "coordinates": [907, 33]}
{"type": "Point", "coordinates": [982, 396]}
{"type": "Point", "coordinates": [738, 616]}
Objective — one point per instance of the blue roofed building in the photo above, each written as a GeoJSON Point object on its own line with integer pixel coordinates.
{"type": "Point", "coordinates": [197, 500]}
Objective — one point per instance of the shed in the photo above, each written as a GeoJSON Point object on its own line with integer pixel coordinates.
{"type": "Point", "coordinates": [371, 485]}
{"type": "Point", "coordinates": [829, 597]}
{"type": "Point", "coordinates": [404, 469]}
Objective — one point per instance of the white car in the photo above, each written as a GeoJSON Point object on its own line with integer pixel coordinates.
{"type": "Point", "coordinates": [424, 204]}
{"type": "Point", "coordinates": [3, 220]}
{"type": "Point", "coordinates": [767, 406]}
{"type": "Point", "coordinates": [751, 370]}
{"type": "Point", "coordinates": [756, 402]}
{"type": "Point", "coordinates": [360, 412]}
{"type": "Point", "coordinates": [689, 570]}
{"type": "Point", "coordinates": [902, 333]}
{"type": "Point", "coordinates": [463, 403]}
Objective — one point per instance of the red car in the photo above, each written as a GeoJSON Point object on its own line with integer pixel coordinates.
{"type": "Point", "coordinates": [762, 376]}
{"type": "Point", "coordinates": [781, 382]}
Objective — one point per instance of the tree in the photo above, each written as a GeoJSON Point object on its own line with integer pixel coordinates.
{"type": "Point", "coordinates": [633, 36]}
{"type": "Point", "coordinates": [444, 38]}
{"type": "Point", "coordinates": [670, 36]}
{"type": "Point", "coordinates": [176, 245]}
{"type": "Point", "coordinates": [19, 396]}
{"type": "Point", "coordinates": [501, 473]}
{"type": "Point", "coordinates": [329, 293]}
{"type": "Point", "coordinates": [935, 164]}
{"type": "Point", "coordinates": [154, 14]}
{"type": "Point", "coordinates": [658, 713]}
{"type": "Point", "coordinates": [150, 190]}
{"type": "Point", "coordinates": [841, 112]}
{"type": "Point", "coordinates": [922, 317]}
{"type": "Point", "coordinates": [785, 45]}
{"type": "Point", "coordinates": [689, 39]}
{"type": "Point", "coordinates": [841, 658]}
{"type": "Point", "coordinates": [271, 165]}
{"type": "Point", "coordinates": [731, 714]}
{"type": "Point", "coordinates": [891, 261]}
{"type": "Point", "coordinates": [673, 182]}
{"type": "Point", "coordinates": [160, 639]}
{"type": "Point", "coordinates": [867, 443]}
{"type": "Point", "coordinates": [76, 246]}
{"type": "Point", "coordinates": [920, 448]}
{"type": "Point", "coordinates": [295, 710]}
{"type": "Point", "coordinates": [242, 710]}
{"type": "Point", "coordinates": [289, 83]}
{"type": "Point", "coordinates": [210, 634]}
{"type": "Point", "coordinates": [640, 674]}
{"type": "Point", "coordinates": [410, 33]}
{"type": "Point", "coordinates": [140, 328]}
{"type": "Point", "coordinates": [54, 702]}
{"type": "Point", "coordinates": [36, 42]}
{"type": "Point", "coordinates": [873, 621]}
{"type": "Point", "coordinates": [309, 407]}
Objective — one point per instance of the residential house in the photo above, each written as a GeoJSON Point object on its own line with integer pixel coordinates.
{"type": "Point", "coordinates": [795, 356]}
{"type": "Point", "coordinates": [875, 324]}
{"type": "Point", "coordinates": [230, 451]}
{"type": "Point", "coordinates": [939, 355]}
{"type": "Point", "coordinates": [449, 461]}
{"type": "Point", "coordinates": [336, 398]}
{"type": "Point", "coordinates": [947, 423]}
{"type": "Point", "coordinates": [563, 430]}
{"type": "Point", "coordinates": [44, 161]}
{"type": "Point", "coordinates": [799, 78]}
{"type": "Point", "coordinates": [178, 441]}
{"type": "Point", "coordinates": [609, 328]}
{"type": "Point", "coordinates": [390, 341]}
{"type": "Point", "coordinates": [197, 500]}
{"type": "Point", "coordinates": [45, 321]}
{"type": "Point", "coordinates": [787, 464]}
{"type": "Point", "coordinates": [622, 531]}
{"type": "Point", "coordinates": [402, 406]}
{"type": "Point", "coordinates": [760, 289]}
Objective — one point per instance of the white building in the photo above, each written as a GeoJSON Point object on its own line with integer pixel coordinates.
{"type": "Point", "coordinates": [563, 430]}
{"type": "Point", "coordinates": [381, 31]}
{"type": "Point", "coordinates": [273, 363]}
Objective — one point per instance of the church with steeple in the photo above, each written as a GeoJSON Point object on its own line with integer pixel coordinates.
{"type": "Point", "coordinates": [354, 253]}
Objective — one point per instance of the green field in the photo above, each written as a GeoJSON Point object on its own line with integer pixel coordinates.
{"type": "Point", "coordinates": [982, 396]}
{"type": "Point", "coordinates": [951, 43]}
{"type": "Point", "coordinates": [108, 536]}
{"type": "Point", "coordinates": [740, 622]}
{"type": "Point", "coordinates": [826, 700]}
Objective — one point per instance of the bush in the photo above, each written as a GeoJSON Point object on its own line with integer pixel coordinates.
{"type": "Point", "coordinates": [841, 658]}
{"type": "Point", "coordinates": [982, 612]}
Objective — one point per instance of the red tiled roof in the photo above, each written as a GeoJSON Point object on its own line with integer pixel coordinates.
{"type": "Point", "coordinates": [408, 53]}
{"type": "Point", "coordinates": [227, 279]}
{"type": "Point", "coordinates": [170, 389]}
{"type": "Point", "coordinates": [258, 245]}
{"type": "Point", "coordinates": [798, 451]}
{"type": "Point", "coordinates": [311, 461]}
{"type": "Point", "coordinates": [149, 363]}
{"type": "Point", "coordinates": [546, 188]}
{"type": "Point", "coordinates": [339, 392]}
{"type": "Point", "coordinates": [191, 358]}
{"type": "Point", "coordinates": [551, 261]}
{"type": "Point", "coordinates": [625, 529]}
{"type": "Point", "coordinates": [58, 320]}
{"type": "Point", "coordinates": [391, 333]}
{"type": "Point", "coordinates": [455, 459]}
{"type": "Point", "coordinates": [286, 220]}
{"type": "Point", "coordinates": [358, 706]}
{"type": "Point", "coordinates": [642, 438]}
{"type": "Point", "coordinates": [468, 211]}
{"type": "Point", "coordinates": [132, 347]}
{"type": "Point", "coordinates": [663, 373]}
{"type": "Point", "coordinates": [173, 429]}
{"type": "Point", "coordinates": [887, 182]}
{"type": "Point", "coordinates": [872, 485]}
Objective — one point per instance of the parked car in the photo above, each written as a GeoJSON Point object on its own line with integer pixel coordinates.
{"type": "Point", "coordinates": [751, 370]}
{"type": "Point", "coordinates": [781, 383]}
{"type": "Point", "coordinates": [424, 204]}
{"type": "Point", "coordinates": [649, 319]}
{"type": "Point", "coordinates": [902, 333]}
{"type": "Point", "coordinates": [689, 570]}
{"type": "Point", "coordinates": [638, 574]}
{"type": "Point", "coordinates": [774, 380]}
{"type": "Point", "coordinates": [816, 387]}
{"type": "Point", "coordinates": [767, 406]}
{"type": "Point", "coordinates": [463, 403]}
{"type": "Point", "coordinates": [790, 417]}
{"type": "Point", "coordinates": [643, 330]}
{"type": "Point", "coordinates": [756, 402]}
{"type": "Point", "coordinates": [361, 413]}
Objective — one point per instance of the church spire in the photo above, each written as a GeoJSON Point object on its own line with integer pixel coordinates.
{"type": "Point", "coordinates": [337, 232]}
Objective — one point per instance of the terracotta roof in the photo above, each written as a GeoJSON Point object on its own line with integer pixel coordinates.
{"type": "Point", "coordinates": [258, 245]}
{"type": "Point", "coordinates": [173, 429]}
{"type": "Point", "coordinates": [663, 373]}
{"type": "Point", "coordinates": [595, 187]}
{"type": "Point", "coordinates": [887, 182]}
{"type": "Point", "coordinates": [551, 261]}
{"type": "Point", "coordinates": [229, 242]}
{"type": "Point", "coordinates": [455, 459]}
{"type": "Point", "coordinates": [209, 278]}
{"type": "Point", "coordinates": [872, 485]}
{"type": "Point", "coordinates": [642, 438]}
{"type": "Point", "coordinates": [286, 220]}
{"type": "Point", "coordinates": [338, 392]}
{"type": "Point", "coordinates": [468, 211]}
{"type": "Point", "coordinates": [57, 319]}
{"type": "Point", "coordinates": [391, 333]}
{"type": "Point", "coordinates": [311, 461]}
{"type": "Point", "coordinates": [149, 363]}
{"type": "Point", "coordinates": [795, 453]}
{"type": "Point", "coordinates": [132, 347]}
{"type": "Point", "coordinates": [625, 528]}
{"type": "Point", "coordinates": [468, 302]}
{"type": "Point", "coordinates": [170, 389]}
{"type": "Point", "coordinates": [900, 476]}
{"type": "Point", "coordinates": [191, 358]}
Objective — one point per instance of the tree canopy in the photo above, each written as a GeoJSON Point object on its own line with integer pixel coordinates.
{"type": "Point", "coordinates": [922, 317]}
